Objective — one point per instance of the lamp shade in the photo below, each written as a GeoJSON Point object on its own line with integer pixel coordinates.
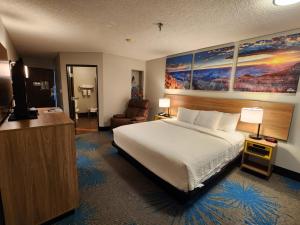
{"type": "Point", "coordinates": [164, 102]}
{"type": "Point", "coordinates": [252, 115]}
{"type": "Point", "coordinates": [285, 2]}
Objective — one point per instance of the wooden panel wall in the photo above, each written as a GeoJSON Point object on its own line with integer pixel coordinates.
{"type": "Point", "coordinates": [277, 116]}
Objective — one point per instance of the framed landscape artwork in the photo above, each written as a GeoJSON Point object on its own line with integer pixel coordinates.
{"type": "Point", "coordinates": [269, 65]}
{"type": "Point", "coordinates": [178, 72]}
{"type": "Point", "coordinates": [212, 69]}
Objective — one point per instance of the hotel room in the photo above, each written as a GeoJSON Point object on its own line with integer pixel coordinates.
{"type": "Point", "coordinates": [148, 112]}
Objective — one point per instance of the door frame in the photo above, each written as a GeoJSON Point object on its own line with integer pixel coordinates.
{"type": "Point", "coordinates": [70, 85]}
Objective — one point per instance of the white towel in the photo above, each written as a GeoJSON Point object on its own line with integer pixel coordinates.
{"type": "Point", "coordinates": [89, 92]}
{"type": "Point", "coordinates": [84, 92]}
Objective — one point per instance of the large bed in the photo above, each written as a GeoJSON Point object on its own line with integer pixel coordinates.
{"type": "Point", "coordinates": [182, 154]}
{"type": "Point", "coordinates": [186, 155]}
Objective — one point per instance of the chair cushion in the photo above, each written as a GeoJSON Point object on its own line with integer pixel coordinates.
{"type": "Point", "coordinates": [138, 103]}
{"type": "Point", "coordinates": [119, 116]}
{"type": "Point", "coordinates": [132, 112]}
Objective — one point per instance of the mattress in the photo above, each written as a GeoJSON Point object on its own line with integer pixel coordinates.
{"type": "Point", "coordinates": [182, 154]}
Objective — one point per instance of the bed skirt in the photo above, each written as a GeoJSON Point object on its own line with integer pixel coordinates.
{"type": "Point", "coordinates": [182, 196]}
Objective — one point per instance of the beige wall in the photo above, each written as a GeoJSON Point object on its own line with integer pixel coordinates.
{"type": "Point", "coordinates": [6, 42]}
{"type": "Point", "coordinates": [288, 155]}
{"type": "Point", "coordinates": [117, 72]}
{"type": "Point", "coordinates": [38, 62]}
{"type": "Point", "coordinates": [155, 83]}
{"type": "Point", "coordinates": [83, 76]}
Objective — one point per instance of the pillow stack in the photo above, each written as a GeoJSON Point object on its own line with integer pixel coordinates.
{"type": "Point", "coordinates": [186, 115]}
{"type": "Point", "coordinates": [210, 119]}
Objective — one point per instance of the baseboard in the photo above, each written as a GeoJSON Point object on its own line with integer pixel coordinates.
{"type": "Point", "coordinates": [104, 128]}
{"type": "Point", "coordinates": [287, 173]}
{"type": "Point", "coordinates": [57, 219]}
{"type": "Point", "coordinates": [82, 114]}
{"type": "Point", "coordinates": [86, 114]}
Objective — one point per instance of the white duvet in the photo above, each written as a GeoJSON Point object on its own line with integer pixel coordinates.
{"type": "Point", "coordinates": [182, 154]}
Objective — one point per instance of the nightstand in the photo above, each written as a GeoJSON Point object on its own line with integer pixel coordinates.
{"type": "Point", "coordinates": [258, 156]}
{"type": "Point", "coordinates": [159, 117]}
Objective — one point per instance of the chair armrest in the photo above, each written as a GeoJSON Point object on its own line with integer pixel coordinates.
{"type": "Point", "coordinates": [138, 118]}
{"type": "Point", "coordinates": [119, 116]}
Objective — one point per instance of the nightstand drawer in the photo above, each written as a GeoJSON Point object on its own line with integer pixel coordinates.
{"type": "Point", "coordinates": [259, 150]}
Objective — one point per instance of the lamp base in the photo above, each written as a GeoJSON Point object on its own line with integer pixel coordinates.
{"type": "Point", "coordinates": [255, 137]}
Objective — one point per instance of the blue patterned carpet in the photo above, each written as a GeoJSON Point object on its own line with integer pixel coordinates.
{"type": "Point", "coordinates": [113, 192]}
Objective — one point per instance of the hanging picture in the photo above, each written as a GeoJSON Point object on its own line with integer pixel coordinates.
{"type": "Point", "coordinates": [212, 69]}
{"type": "Point", "coordinates": [178, 72]}
{"type": "Point", "coordinates": [269, 65]}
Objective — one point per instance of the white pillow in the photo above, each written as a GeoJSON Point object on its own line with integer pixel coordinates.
{"type": "Point", "coordinates": [186, 115]}
{"type": "Point", "coordinates": [208, 119]}
{"type": "Point", "coordinates": [229, 121]}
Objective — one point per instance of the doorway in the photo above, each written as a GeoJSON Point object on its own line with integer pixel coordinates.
{"type": "Point", "coordinates": [83, 97]}
{"type": "Point", "coordinates": [41, 88]}
{"type": "Point", "coordinates": [137, 84]}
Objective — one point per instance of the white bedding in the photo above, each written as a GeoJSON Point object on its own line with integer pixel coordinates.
{"type": "Point", "coordinates": [183, 154]}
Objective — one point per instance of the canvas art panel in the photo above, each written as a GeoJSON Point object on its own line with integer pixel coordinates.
{"type": "Point", "coordinates": [212, 69]}
{"type": "Point", "coordinates": [269, 65]}
{"type": "Point", "coordinates": [178, 72]}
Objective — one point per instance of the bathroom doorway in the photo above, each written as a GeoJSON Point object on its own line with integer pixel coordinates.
{"type": "Point", "coordinates": [83, 97]}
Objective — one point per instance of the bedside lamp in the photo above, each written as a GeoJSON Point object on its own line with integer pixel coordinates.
{"type": "Point", "coordinates": [165, 103]}
{"type": "Point", "coordinates": [253, 115]}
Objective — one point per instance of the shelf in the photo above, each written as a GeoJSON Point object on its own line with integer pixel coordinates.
{"type": "Point", "coordinates": [266, 157]}
{"type": "Point", "coordinates": [256, 167]}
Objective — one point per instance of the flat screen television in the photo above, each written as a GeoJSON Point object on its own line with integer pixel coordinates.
{"type": "Point", "coordinates": [6, 91]}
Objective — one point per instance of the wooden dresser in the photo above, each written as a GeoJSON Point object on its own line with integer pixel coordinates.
{"type": "Point", "coordinates": [38, 176]}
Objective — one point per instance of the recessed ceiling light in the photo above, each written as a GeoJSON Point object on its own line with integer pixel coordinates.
{"type": "Point", "coordinates": [285, 2]}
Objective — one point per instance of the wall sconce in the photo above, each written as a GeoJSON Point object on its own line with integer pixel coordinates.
{"type": "Point", "coordinates": [26, 71]}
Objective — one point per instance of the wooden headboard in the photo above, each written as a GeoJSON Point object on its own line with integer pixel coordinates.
{"type": "Point", "coordinates": [277, 116]}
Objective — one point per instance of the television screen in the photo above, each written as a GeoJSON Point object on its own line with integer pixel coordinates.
{"type": "Point", "coordinates": [6, 93]}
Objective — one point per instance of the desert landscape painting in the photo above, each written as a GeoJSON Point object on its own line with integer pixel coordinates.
{"type": "Point", "coordinates": [212, 69]}
{"type": "Point", "coordinates": [269, 65]}
{"type": "Point", "coordinates": [178, 72]}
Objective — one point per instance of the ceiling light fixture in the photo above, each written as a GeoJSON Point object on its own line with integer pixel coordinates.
{"type": "Point", "coordinates": [285, 2]}
{"type": "Point", "coordinates": [128, 39]}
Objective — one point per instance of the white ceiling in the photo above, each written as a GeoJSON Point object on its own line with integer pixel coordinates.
{"type": "Point", "coordinates": [45, 27]}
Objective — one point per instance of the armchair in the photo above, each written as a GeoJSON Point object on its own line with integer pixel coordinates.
{"type": "Point", "coordinates": [136, 112]}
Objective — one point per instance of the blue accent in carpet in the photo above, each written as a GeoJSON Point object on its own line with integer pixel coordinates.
{"type": "Point", "coordinates": [258, 209]}
{"type": "Point", "coordinates": [112, 151]}
{"type": "Point", "coordinates": [108, 134]}
{"type": "Point", "coordinates": [88, 174]}
{"type": "Point", "coordinates": [83, 145]}
{"type": "Point", "coordinates": [79, 217]}
{"type": "Point", "coordinates": [209, 208]}
{"type": "Point", "coordinates": [90, 177]}
{"type": "Point", "coordinates": [292, 184]}
{"type": "Point", "coordinates": [83, 162]}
